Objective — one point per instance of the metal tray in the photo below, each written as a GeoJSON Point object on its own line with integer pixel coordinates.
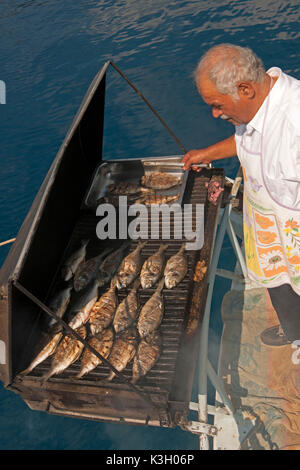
{"type": "Point", "coordinates": [115, 171]}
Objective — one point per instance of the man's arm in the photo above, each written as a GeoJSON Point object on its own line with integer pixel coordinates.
{"type": "Point", "coordinates": [223, 149]}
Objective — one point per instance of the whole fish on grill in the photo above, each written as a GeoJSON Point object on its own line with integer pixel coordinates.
{"type": "Point", "coordinates": [123, 350]}
{"type": "Point", "coordinates": [176, 268]}
{"type": "Point", "coordinates": [59, 303]}
{"type": "Point", "coordinates": [81, 308]}
{"type": "Point", "coordinates": [148, 352]}
{"type": "Point", "coordinates": [102, 342]}
{"type": "Point", "coordinates": [129, 268]}
{"type": "Point", "coordinates": [71, 265]}
{"type": "Point", "coordinates": [103, 311]}
{"type": "Point", "coordinates": [111, 263]}
{"type": "Point", "coordinates": [46, 352]}
{"type": "Point", "coordinates": [153, 267]}
{"type": "Point", "coordinates": [160, 180]}
{"type": "Point", "coordinates": [67, 352]}
{"type": "Point", "coordinates": [127, 310]}
{"type": "Point", "coordinates": [126, 188]}
{"type": "Point", "coordinates": [152, 312]}
{"type": "Point", "coordinates": [156, 199]}
{"type": "Point", "coordinates": [88, 270]}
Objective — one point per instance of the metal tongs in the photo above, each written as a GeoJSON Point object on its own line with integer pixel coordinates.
{"type": "Point", "coordinates": [176, 164]}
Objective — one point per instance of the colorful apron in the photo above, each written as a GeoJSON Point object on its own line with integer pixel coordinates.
{"type": "Point", "coordinates": [271, 230]}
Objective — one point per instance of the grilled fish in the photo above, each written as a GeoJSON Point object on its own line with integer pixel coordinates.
{"type": "Point", "coordinates": [59, 303]}
{"type": "Point", "coordinates": [71, 265]}
{"type": "Point", "coordinates": [147, 354]}
{"type": "Point", "coordinates": [157, 199]}
{"type": "Point", "coordinates": [127, 311]}
{"type": "Point", "coordinates": [126, 188]}
{"type": "Point", "coordinates": [152, 312]}
{"type": "Point", "coordinates": [47, 351]}
{"type": "Point", "coordinates": [130, 268]}
{"type": "Point", "coordinates": [160, 180]}
{"type": "Point", "coordinates": [88, 271]}
{"type": "Point", "coordinates": [103, 311]}
{"type": "Point", "coordinates": [111, 263]}
{"type": "Point", "coordinates": [152, 268]}
{"type": "Point", "coordinates": [176, 268]}
{"type": "Point", "coordinates": [81, 309]}
{"type": "Point", "coordinates": [102, 342]}
{"type": "Point", "coordinates": [123, 350]}
{"type": "Point", "coordinates": [68, 351]}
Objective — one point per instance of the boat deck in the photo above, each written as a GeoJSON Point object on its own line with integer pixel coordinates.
{"type": "Point", "coordinates": [262, 383]}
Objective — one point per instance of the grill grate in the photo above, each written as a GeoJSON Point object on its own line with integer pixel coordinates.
{"type": "Point", "coordinates": [175, 302]}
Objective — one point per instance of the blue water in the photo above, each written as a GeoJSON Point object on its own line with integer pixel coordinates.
{"type": "Point", "coordinates": [50, 51]}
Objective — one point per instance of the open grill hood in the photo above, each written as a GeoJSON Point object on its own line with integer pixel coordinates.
{"type": "Point", "coordinates": [55, 224]}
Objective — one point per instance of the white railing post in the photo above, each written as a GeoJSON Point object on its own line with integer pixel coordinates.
{"type": "Point", "coordinates": [205, 368]}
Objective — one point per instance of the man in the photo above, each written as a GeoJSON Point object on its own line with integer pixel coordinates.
{"type": "Point", "coordinates": [264, 107]}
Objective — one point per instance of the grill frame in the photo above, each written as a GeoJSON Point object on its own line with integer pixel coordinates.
{"type": "Point", "coordinates": [116, 402]}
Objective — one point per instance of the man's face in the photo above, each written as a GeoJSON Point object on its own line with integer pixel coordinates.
{"type": "Point", "coordinates": [223, 106]}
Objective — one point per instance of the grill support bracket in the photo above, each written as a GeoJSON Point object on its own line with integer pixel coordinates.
{"type": "Point", "coordinates": [198, 428]}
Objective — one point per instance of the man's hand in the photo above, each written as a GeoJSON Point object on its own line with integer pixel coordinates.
{"type": "Point", "coordinates": [223, 149]}
{"type": "Point", "coordinates": [195, 156]}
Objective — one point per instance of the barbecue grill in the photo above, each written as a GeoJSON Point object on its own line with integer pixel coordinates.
{"type": "Point", "coordinates": [53, 228]}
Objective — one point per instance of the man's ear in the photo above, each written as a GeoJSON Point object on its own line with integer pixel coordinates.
{"type": "Point", "coordinates": [246, 90]}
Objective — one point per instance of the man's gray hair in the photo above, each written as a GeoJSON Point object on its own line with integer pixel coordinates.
{"type": "Point", "coordinates": [226, 65]}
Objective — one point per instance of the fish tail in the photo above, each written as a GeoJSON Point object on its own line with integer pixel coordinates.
{"type": "Point", "coordinates": [163, 247]}
{"type": "Point", "coordinates": [142, 244]}
{"type": "Point", "coordinates": [32, 366]}
{"type": "Point", "coordinates": [145, 190]}
{"type": "Point", "coordinates": [80, 374]}
{"type": "Point", "coordinates": [66, 273]}
{"type": "Point", "coordinates": [136, 284]}
{"type": "Point", "coordinates": [113, 283]}
{"type": "Point", "coordinates": [47, 376]}
{"type": "Point", "coordinates": [105, 252]}
{"type": "Point", "coordinates": [26, 371]}
{"type": "Point", "coordinates": [111, 376]}
{"type": "Point", "coordinates": [93, 329]}
{"type": "Point", "coordinates": [135, 378]}
{"type": "Point", "coordinates": [160, 285]}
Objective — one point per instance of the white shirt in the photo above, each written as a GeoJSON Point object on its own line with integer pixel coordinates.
{"type": "Point", "coordinates": [275, 131]}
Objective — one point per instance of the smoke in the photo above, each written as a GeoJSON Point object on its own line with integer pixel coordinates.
{"type": "Point", "coordinates": [126, 437]}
